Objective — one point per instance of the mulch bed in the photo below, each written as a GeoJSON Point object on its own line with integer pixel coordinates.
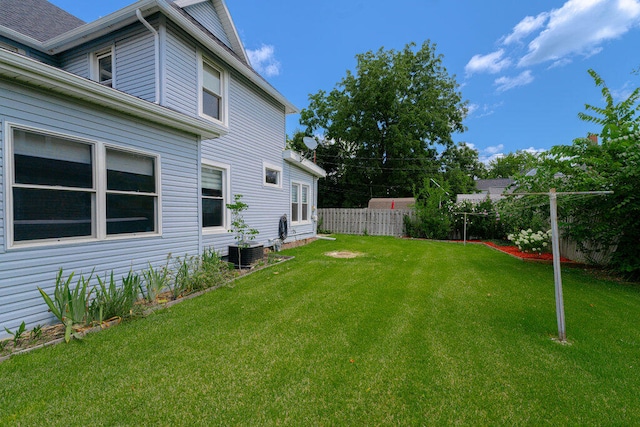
{"type": "Point", "coordinates": [525, 256]}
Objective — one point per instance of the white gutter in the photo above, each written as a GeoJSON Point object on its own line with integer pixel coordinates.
{"type": "Point", "coordinates": [156, 43]}
{"type": "Point", "coordinates": [15, 67]}
{"type": "Point", "coordinates": [297, 160]}
{"type": "Point", "coordinates": [128, 16]}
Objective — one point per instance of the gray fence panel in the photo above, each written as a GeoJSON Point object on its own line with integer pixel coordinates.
{"type": "Point", "coordinates": [375, 222]}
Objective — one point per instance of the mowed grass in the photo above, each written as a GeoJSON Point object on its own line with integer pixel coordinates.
{"type": "Point", "coordinates": [409, 333]}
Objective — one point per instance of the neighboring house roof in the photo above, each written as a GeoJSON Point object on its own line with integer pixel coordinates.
{"type": "Point", "coordinates": [392, 203]}
{"type": "Point", "coordinates": [492, 186]}
{"type": "Point", "coordinates": [37, 19]}
{"type": "Point", "coordinates": [492, 189]}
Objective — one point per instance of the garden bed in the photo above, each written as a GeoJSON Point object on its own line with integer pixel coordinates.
{"type": "Point", "coordinates": [43, 336]}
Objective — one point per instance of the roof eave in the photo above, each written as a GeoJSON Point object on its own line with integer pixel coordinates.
{"type": "Point", "coordinates": [127, 16]}
{"type": "Point", "coordinates": [297, 160]}
{"type": "Point", "coordinates": [34, 73]}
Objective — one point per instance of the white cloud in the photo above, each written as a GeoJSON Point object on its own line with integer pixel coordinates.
{"type": "Point", "coordinates": [525, 27]}
{"type": "Point", "coordinates": [491, 63]}
{"type": "Point", "coordinates": [579, 27]}
{"type": "Point", "coordinates": [507, 83]}
{"type": "Point", "coordinates": [263, 60]}
{"type": "Point", "coordinates": [472, 108]}
{"type": "Point", "coordinates": [496, 149]}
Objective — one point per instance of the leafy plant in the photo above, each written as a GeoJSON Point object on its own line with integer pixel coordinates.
{"type": "Point", "coordinates": [18, 333]}
{"type": "Point", "coordinates": [185, 269]}
{"type": "Point", "coordinates": [530, 241]}
{"type": "Point", "coordinates": [155, 280]}
{"type": "Point", "coordinates": [243, 234]}
{"type": "Point", "coordinates": [113, 301]}
{"type": "Point", "coordinates": [70, 307]}
{"type": "Point", "coordinates": [36, 333]}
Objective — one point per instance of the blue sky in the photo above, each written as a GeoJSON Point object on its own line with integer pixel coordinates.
{"type": "Point", "coordinates": [522, 65]}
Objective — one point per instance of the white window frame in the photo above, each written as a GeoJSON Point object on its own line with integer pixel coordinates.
{"type": "Point", "coordinates": [95, 65]}
{"type": "Point", "coordinates": [273, 167]}
{"type": "Point", "coordinates": [12, 48]}
{"type": "Point", "coordinates": [224, 89]}
{"type": "Point", "coordinates": [99, 210]}
{"type": "Point", "coordinates": [300, 209]}
{"type": "Point", "coordinates": [226, 191]}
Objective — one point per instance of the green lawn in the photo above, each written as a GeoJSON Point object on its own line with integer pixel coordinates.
{"type": "Point", "coordinates": [410, 333]}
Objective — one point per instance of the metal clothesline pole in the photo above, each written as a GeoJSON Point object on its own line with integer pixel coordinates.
{"type": "Point", "coordinates": [555, 245]}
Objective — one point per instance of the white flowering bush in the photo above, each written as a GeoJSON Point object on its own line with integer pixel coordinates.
{"type": "Point", "coordinates": [530, 241]}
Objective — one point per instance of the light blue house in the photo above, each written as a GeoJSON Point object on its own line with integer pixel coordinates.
{"type": "Point", "coordinates": [122, 139]}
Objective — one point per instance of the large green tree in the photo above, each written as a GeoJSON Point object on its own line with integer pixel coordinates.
{"type": "Point", "coordinates": [383, 123]}
{"type": "Point", "coordinates": [512, 165]}
{"type": "Point", "coordinates": [614, 164]}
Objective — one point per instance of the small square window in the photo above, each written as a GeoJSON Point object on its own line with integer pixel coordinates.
{"type": "Point", "coordinates": [272, 175]}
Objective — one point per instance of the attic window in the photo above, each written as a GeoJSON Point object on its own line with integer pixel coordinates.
{"type": "Point", "coordinates": [103, 67]}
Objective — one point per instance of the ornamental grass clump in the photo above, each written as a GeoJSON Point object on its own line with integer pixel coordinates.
{"type": "Point", "coordinates": [530, 241]}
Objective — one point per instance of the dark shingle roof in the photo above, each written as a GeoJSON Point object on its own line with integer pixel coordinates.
{"type": "Point", "coordinates": [37, 19]}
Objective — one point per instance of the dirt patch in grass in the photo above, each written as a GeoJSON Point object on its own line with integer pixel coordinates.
{"type": "Point", "coordinates": [343, 254]}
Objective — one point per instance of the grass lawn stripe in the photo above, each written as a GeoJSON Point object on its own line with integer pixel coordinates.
{"type": "Point", "coordinates": [411, 332]}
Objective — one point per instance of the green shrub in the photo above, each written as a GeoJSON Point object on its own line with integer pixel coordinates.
{"type": "Point", "coordinates": [113, 301]}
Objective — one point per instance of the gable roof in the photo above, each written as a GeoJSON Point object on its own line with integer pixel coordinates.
{"type": "Point", "coordinates": [227, 23]}
{"type": "Point", "coordinates": [128, 15]}
{"type": "Point", "coordinates": [37, 19]}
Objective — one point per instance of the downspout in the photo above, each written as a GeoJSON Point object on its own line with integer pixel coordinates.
{"type": "Point", "coordinates": [156, 42]}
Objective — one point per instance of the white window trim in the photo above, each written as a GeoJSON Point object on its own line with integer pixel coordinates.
{"type": "Point", "coordinates": [300, 184]}
{"type": "Point", "coordinates": [12, 48]}
{"type": "Point", "coordinates": [94, 69]}
{"type": "Point", "coordinates": [272, 166]}
{"type": "Point", "coordinates": [224, 88]}
{"type": "Point", "coordinates": [226, 185]}
{"type": "Point", "coordinates": [100, 190]}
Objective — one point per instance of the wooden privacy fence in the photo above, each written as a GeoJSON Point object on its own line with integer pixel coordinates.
{"type": "Point", "coordinates": [375, 222]}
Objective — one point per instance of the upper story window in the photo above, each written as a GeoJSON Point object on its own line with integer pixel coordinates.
{"type": "Point", "coordinates": [272, 175]}
{"type": "Point", "coordinates": [212, 98]}
{"type": "Point", "coordinates": [103, 67]}
{"type": "Point", "coordinates": [62, 189]}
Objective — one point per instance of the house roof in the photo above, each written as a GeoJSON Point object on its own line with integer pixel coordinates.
{"type": "Point", "coordinates": [80, 34]}
{"type": "Point", "coordinates": [392, 203]}
{"type": "Point", "coordinates": [490, 185]}
{"type": "Point", "coordinates": [297, 160]}
{"type": "Point", "coordinates": [37, 19]}
{"type": "Point", "coordinates": [54, 80]}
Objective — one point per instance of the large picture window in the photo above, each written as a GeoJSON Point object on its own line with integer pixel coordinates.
{"type": "Point", "coordinates": [213, 197]}
{"type": "Point", "coordinates": [56, 193]}
{"type": "Point", "coordinates": [131, 192]}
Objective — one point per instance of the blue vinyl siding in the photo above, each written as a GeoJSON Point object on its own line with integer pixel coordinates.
{"type": "Point", "coordinates": [206, 15]}
{"type": "Point", "coordinates": [294, 174]}
{"type": "Point", "coordinates": [24, 269]}
{"type": "Point", "coordinates": [134, 52]}
{"type": "Point", "coordinates": [181, 73]}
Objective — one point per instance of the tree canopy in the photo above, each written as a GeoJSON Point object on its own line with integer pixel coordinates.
{"type": "Point", "coordinates": [383, 123]}
{"type": "Point", "coordinates": [598, 223]}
